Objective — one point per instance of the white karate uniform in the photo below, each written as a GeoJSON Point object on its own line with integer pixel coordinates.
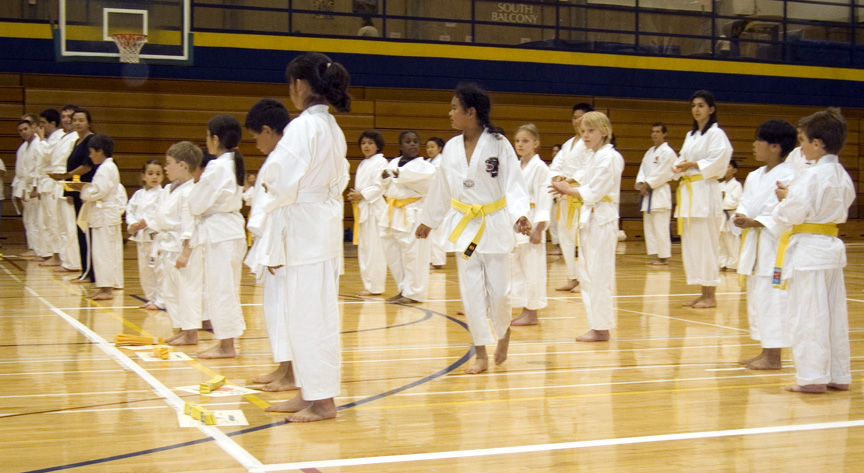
{"type": "Point", "coordinates": [484, 278]}
{"type": "Point", "coordinates": [700, 210]}
{"type": "Point", "coordinates": [370, 250]}
{"type": "Point", "coordinates": [766, 305]}
{"type": "Point", "coordinates": [731, 191]}
{"type": "Point", "coordinates": [299, 223]}
{"type": "Point", "coordinates": [215, 201]}
{"type": "Point", "coordinates": [143, 205]}
{"type": "Point", "coordinates": [798, 162]}
{"type": "Point", "coordinates": [528, 260]}
{"type": "Point", "coordinates": [813, 271]}
{"type": "Point", "coordinates": [437, 255]}
{"type": "Point", "coordinates": [568, 163]}
{"type": "Point", "coordinates": [23, 184]}
{"type": "Point", "coordinates": [70, 256]}
{"type": "Point", "coordinates": [104, 203]}
{"type": "Point", "coordinates": [598, 234]}
{"type": "Point", "coordinates": [407, 257]}
{"type": "Point", "coordinates": [656, 172]}
{"type": "Point", "coordinates": [182, 289]}
{"type": "Point", "coordinates": [49, 192]}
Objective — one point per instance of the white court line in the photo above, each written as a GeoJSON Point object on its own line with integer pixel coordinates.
{"type": "Point", "coordinates": [60, 372]}
{"type": "Point", "coordinates": [16, 278]}
{"type": "Point", "coordinates": [682, 320]}
{"type": "Point", "coordinates": [76, 394]}
{"type": "Point", "coordinates": [556, 446]}
{"type": "Point", "coordinates": [226, 443]}
{"type": "Point", "coordinates": [74, 411]}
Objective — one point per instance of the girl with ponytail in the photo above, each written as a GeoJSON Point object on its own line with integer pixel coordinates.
{"type": "Point", "coordinates": [479, 168]}
{"type": "Point", "coordinates": [215, 202]}
{"type": "Point", "coordinates": [300, 232]}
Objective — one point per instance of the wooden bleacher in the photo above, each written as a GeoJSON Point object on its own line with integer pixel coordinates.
{"type": "Point", "coordinates": [146, 118]}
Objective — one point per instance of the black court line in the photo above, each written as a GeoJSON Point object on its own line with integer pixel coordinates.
{"type": "Point", "coordinates": [461, 361]}
{"type": "Point", "coordinates": [19, 268]}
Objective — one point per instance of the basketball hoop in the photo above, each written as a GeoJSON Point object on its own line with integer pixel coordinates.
{"type": "Point", "coordinates": [130, 45]}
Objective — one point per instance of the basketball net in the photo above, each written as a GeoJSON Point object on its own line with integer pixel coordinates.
{"type": "Point", "coordinates": [130, 45]}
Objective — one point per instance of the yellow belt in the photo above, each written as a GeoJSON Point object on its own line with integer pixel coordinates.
{"type": "Point", "coordinates": [471, 212]}
{"type": "Point", "coordinates": [355, 210]}
{"type": "Point", "coordinates": [398, 203]}
{"type": "Point", "coordinates": [742, 278]}
{"type": "Point", "coordinates": [687, 181]}
{"type": "Point", "coordinates": [829, 229]}
{"type": "Point", "coordinates": [574, 207]}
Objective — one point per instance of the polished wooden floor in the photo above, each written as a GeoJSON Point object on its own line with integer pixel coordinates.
{"type": "Point", "coordinates": [666, 394]}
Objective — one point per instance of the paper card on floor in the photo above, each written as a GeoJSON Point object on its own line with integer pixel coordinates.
{"type": "Point", "coordinates": [138, 347]}
{"type": "Point", "coordinates": [223, 418]}
{"type": "Point", "coordinates": [223, 391]}
{"type": "Point", "coordinates": [173, 356]}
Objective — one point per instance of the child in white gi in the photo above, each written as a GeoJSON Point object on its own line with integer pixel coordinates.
{"type": "Point", "coordinates": [479, 198]}
{"type": "Point", "coordinates": [702, 160]}
{"type": "Point", "coordinates": [142, 208]}
{"type": "Point", "coordinates": [553, 222]}
{"type": "Point", "coordinates": [406, 182]}
{"type": "Point", "coordinates": [730, 191]}
{"type": "Point", "coordinates": [598, 195]}
{"type": "Point", "coordinates": [104, 202]}
{"type": "Point", "coordinates": [182, 265]}
{"type": "Point", "coordinates": [568, 165]}
{"type": "Point", "coordinates": [810, 257]}
{"type": "Point", "coordinates": [215, 201]}
{"type": "Point", "coordinates": [438, 257]}
{"type": "Point", "coordinates": [368, 204]}
{"type": "Point", "coordinates": [655, 195]}
{"type": "Point", "coordinates": [528, 260]}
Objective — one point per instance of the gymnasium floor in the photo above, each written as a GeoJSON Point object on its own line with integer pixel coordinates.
{"type": "Point", "coordinates": [666, 394]}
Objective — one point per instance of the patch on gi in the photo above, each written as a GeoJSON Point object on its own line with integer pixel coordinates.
{"type": "Point", "coordinates": [492, 167]}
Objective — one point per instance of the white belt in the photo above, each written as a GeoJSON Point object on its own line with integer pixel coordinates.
{"type": "Point", "coordinates": [307, 196]}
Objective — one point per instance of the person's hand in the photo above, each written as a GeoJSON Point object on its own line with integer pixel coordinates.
{"type": "Point", "coordinates": [741, 221]}
{"type": "Point", "coordinates": [182, 261]}
{"type": "Point", "coordinates": [781, 191]}
{"type": "Point", "coordinates": [523, 226]}
{"type": "Point", "coordinates": [559, 187]}
{"type": "Point", "coordinates": [422, 231]}
{"type": "Point", "coordinates": [58, 176]}
{"type": "Point", "coordinates": [643, 188]}
{"type": "Point", "coordinates": [273, 269]}
{"type": "Point", "coordinates": [354, 195]}
{"type": "Point", "coordinates": [537, 235]}
{"type": "Point", "coordinates": [683, 166]}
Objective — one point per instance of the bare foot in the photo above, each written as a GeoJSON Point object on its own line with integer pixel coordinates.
{"type": "Point", "coordinates": [101, 294]}
{"type": "Point", "coordinates": [501, 349]}
{"type": "Point", "coordinates": [280, 379]}
{"type": "Point", "coordinates": [527, 317]}
{"type": "Point", "coordinates": [206, 325]}
{"type": "Point", "coordinates": [437, 266]}
{"type": "Point", "coordinates": [149, 306]}
{"type": "Point", "coordinates": [693, 302]}
{"type": "Point", "coordinates": [764, 364]}
{"type": "Point", "coordinates": [295, 404]}
{"type": "Point", "coordinates": [223, 349]}
{"type": "Point", "coordinates": [555, 251]}
{"type": "Point", "coordinates": [481, 361]}
{"type": "Point", "coordinates": [751, 360]}
{"type": "Point", "coordinates": [402, 300]}
{"type": "Point", "coordinates": [705, 304]}
{"type": "Point", "coordinates": [577, 288]}
{"type": "Point", "coordinates": [658, 262]}
{"type": "Point", "coordinates": [594, 336]}
{"type": "Point", "coordinates": [281, 384]}
{"type": "Point", "coordinates": [569, 286]}
{"type": "Point", "coordinates": [52, 261]}
{"type": "Point", "coordinates": [365, 293]}
{"type": "Point", "coordinates": [80, 281]}
{"type": "Point", "coordinates": [185, 337]}
{"type": "Point", "coordinates": [838, 387]}
{"type": "Point", "coordinates": [62, 269]}
{"type": "Point", "coordinates": [319, 410]}
{"type": "Point", "coordinates": [28, 254]}
{"type": "Point", "coordinates": [397, 296]}
{"type": "Point", "coordinates": [807, 389]}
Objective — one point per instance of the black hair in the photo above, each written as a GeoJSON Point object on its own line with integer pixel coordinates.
{"type": "Point", "coordinates": [86, 114]}
{"type": "Point", "coordinates": [778, 132]}
{"type": "Point", "coordinates": [585, 107]}
{"type": "Point", "coordinates": [267, 112]}
{"type": "Point", "coordinates": [24, 120]}
{"type": "Point", "coordinates": [206, 157]}
{"type": "Point", "coordinates": [31, 118]}
{"type": "Point", "coordinates": [708, 97]}
{"type": "Point", "coordinates": [227, 129]}
{"type": "Point", "coordinates": [367, 21]}
{"type": "Point", "coordinates": [438, 141]}
{"type": "Point", "coordinates": [406, 133]}
{"type": "Point", "coordinates": [471, 95]}
{"type": "Point", "coordinates": [152, 162]}
{"type": "Point", "coordinates": [375, 136]}
{"type": "Point", "coordinates": [51, 116]}
{"type": "Point", "coordinates": [102, 143]}
{"type": "Point", "coordinates": [733, 163]}
{"type": "Point", "coordinates": [661, 125]}
{"type": "Point", "coordinates": [73, 108]}
{"type": "Point", "coordinates": [328, 80]}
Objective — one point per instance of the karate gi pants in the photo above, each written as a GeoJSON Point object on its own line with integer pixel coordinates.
{"type": "Point", "coordinates": [49, 224]}
{"type": "Point", "coordinates": [767, 312]}
{"type": "Point", "coordinates": [484, 283]}
{"type": "Point", "coordinates": [183, 289]}
{"type": "Point", "coordinates": [700, 245]}
{"type": "Point", "coordinates": [408, 260]}
{"type": "Point", "coordinates": [819, 326]}
{"type": "Point", "coordinates": [568, 238]}
{"type": "Point", "coordinates": [149, 276]}
{"type": "Point", "coordinates": [70, 256]}
{"type": "Point", "coordinates": [107, 254]}
{"type": "Point", "coordinates": [553, 228]}
{"type": "Point", "coordinates": [437, 255]}
{"type": "Point", "coordinates": [30, 217]}
{"type": "Point", "coordinates": [275, 308]}
{"type": "Point", "coordinates": [223, 263]}
{"type": "Point", "coordinates": [656, 228]}
{"type": "Point", "coordinates": [370, 257]}
{"type": "Point", "coordinates": [311, 294]}
{"type": "Point", "coordinates": [597, 273]}
{"type": "Point", "coordinates": [528, 276]}
{"type": "Point", "coordinates": [729, 248]}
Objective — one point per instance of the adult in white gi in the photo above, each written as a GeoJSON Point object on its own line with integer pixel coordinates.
{"type": "Point", "coordinates": [598, 194]}
{"type": "Point", "coordinates": [406, 181]}
{"type": "Point", "coordinates": [369, 206]}
{"type": "Point", "coordinates": [303, 237]}
{"type": "Point", "coordinates": [812, 264]}
{"type": "Point", "coordinates": [143, 208]}
{"type": "Point", "coordinates": [479, 198]}
{"type": "Point", "coordinates": [528, 259]}
{"type": "Point", "coordinates": [730, 190]}
{"type": "Point", "coordinates": [49, 190]}
{"type": "Point", "coordinates": [568, 165]}
{"type": "Point", "coordinates": [24, 185]}
{"type": "Point", "coordinates": [655, 201]}
{"type": "Point", "coordinates": [702, 160]}
{"type": "Point", "coordinates": [70, 255]}
{"type": "Point", "coordinates": [215, 201]}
